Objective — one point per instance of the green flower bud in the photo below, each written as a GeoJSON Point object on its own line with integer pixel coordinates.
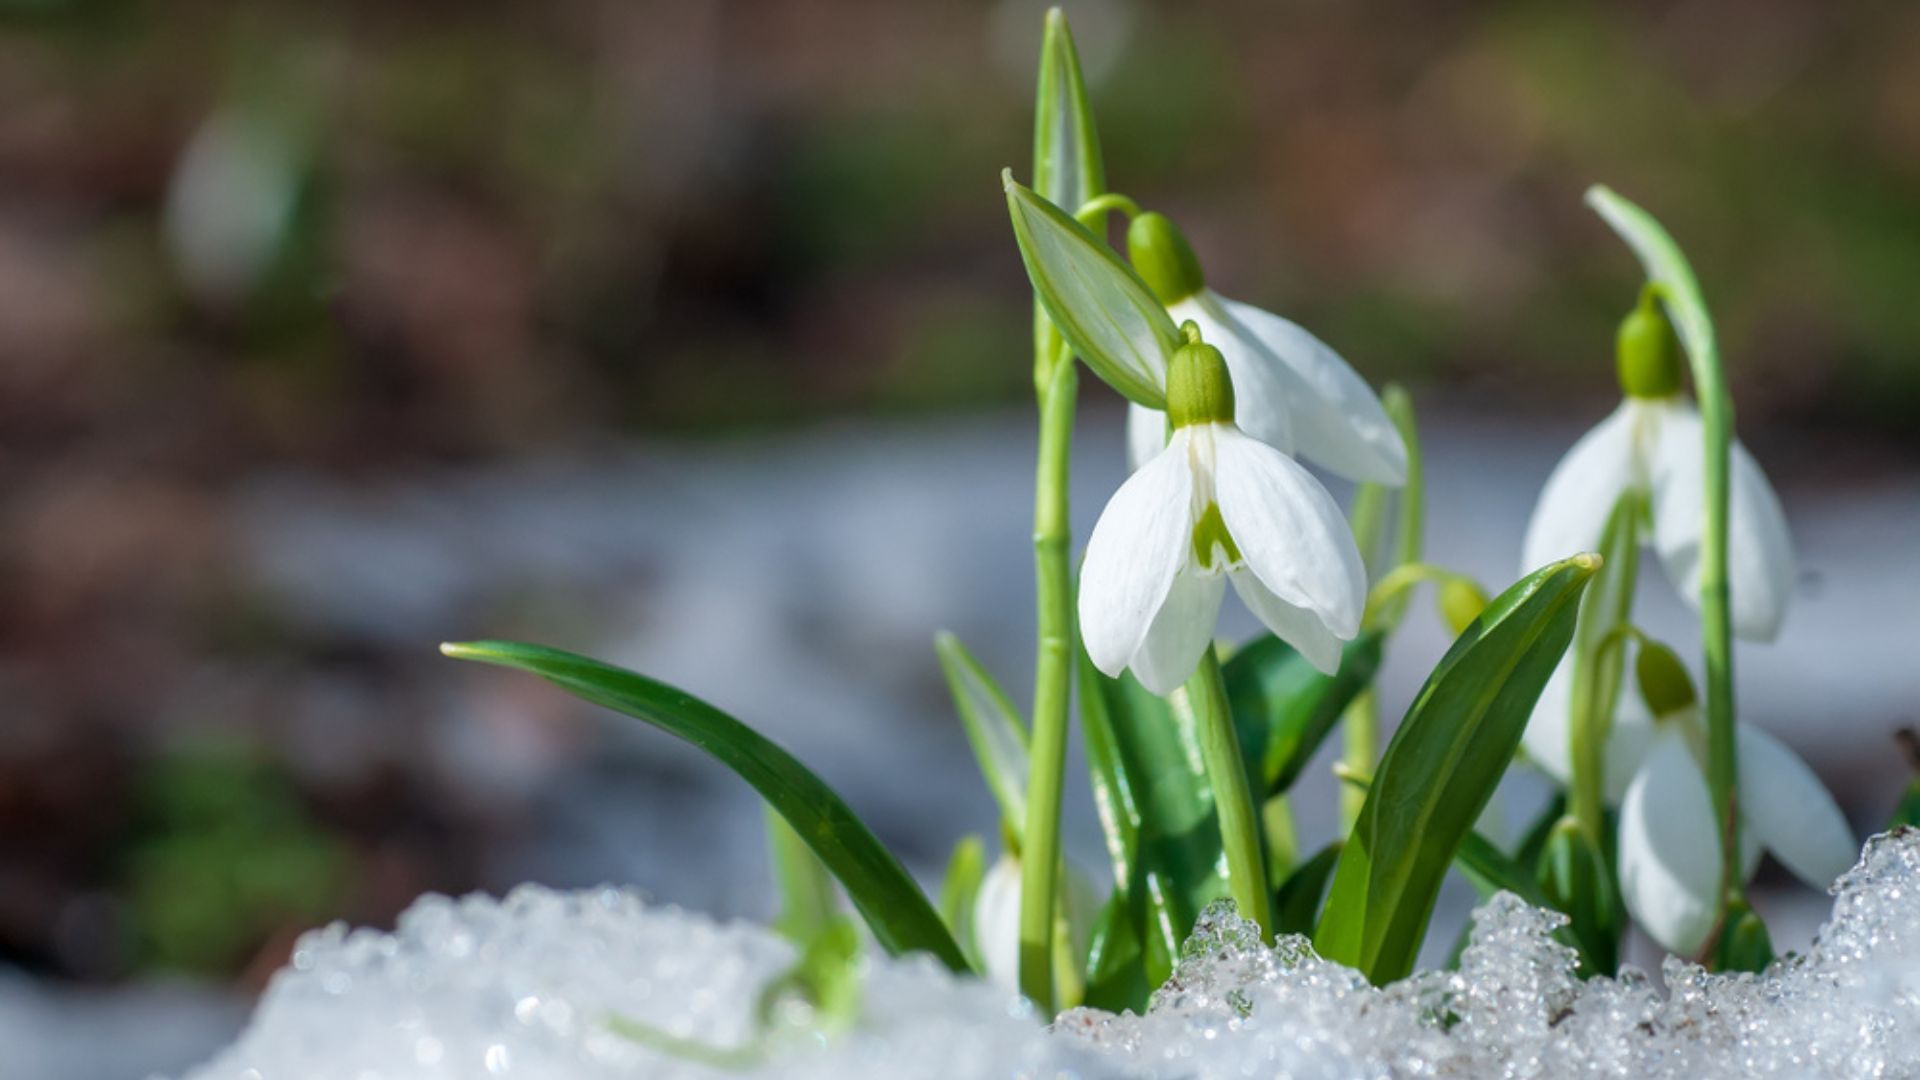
{"type": "Point", "coordinates": [1163, 258]}
{"type": "Point", "coordinates": [1648, 352]}
{"type": "Point", "coordinates": [1460, 601]}
{"type": "Point", "coordinates": [1199, 390]}
{"type": "Point", "coordinates": [1664, 681]}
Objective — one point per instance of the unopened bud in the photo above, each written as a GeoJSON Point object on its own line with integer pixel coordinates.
{"type": "Point", "coordinates": [1647, 352]}
{"type": "Point", "coordinates": [1664, 681]}
{"type": "Point", "coordinates": [1199, 389]}
{"type": "Point", "coordinates": [1163, 258]}
{"type": "Point", "coordinates": [1460, 601]}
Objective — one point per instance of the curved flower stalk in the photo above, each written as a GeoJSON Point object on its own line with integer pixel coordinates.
{"type": "Point", "coordinates": [1293, 391]}
{"type": "Point", "coordinates": [1215, 505]}
{"type": "Point", "coordinates": [1652, 444]}
{"type": "Point", "coordinates": [1669, 846]}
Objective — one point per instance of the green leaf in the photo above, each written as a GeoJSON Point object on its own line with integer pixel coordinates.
{"type": "Point", "coordinates": [1745, 945]}
{"type": "Point", "coordinates": [959, 889]}
{"type": "Point", "coordinates": [1440, 769]}
{"type": "Point", "coordinates": [994, 728]}
{"type": "Point", "coordinates": [1908, 812]}
{"type": "Point", "coordinates": [1067, 166]}
{"type": "Point", "coordinates": [1284, 707]}
{"type": "Point", "coordinates": [1156, 810]}
{"type": "Point", "coordinates": [807, 903]}
{"type": "Point", "coordinates": [1098, 303]}
{"type": "Point", "coordinates": [1577, 878]}
{"type": "Point", "coordinates": [881, 890]}
{"type": "Point", "coordinates": [1116, 961]}
{"type": "Point", "coordinates": [1297, 904]}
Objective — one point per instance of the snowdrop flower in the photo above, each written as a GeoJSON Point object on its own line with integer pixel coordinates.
{"type": "Point", "coordinates": [1211, 506]}
{"type": "Point", "coordinates": [996, 920]}
{"type": "Point", "coordinates": [1669, 844]}
{"type": "Point", "coordinates": [1653, 444]}
{"type": "Point", "coordinates": [1295, 393]}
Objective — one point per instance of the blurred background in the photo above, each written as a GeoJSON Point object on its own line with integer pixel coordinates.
{"type": "Point", "coordinates": [692, 335]}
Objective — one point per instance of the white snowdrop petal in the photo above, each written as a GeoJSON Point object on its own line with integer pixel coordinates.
{"type": "Point", "coordinates": [1669, 853]}
{"type": "Point", "coordinates": [1581, 492]}
{"type": "Point", "coordinates": [1547, 740]}
{"type": "Point", "coordinates": [1789, 810]}
{"type": "Point", "coordinates": [1760, 558]}
{"type": "Point", "coordinates": [1336, 418]}
{"type": "Point", "coordinates": [1264, 391]}
{"type": "Point", "coordinates": [1139, 544]}
{"type": "Point", "coordinates": [1290, 532]}
{"type": "Point", "coordinates": [1180, 633]}
{"type": "Point", "coordinates": [1297, 627]}
{"type": "Point", "coordinates": [996, 922]}
{"type": "Point", "coordinates": [1146, 434]}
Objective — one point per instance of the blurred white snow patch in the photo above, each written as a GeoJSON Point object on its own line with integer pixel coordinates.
{"type": "Point", "coordinates": [522, 988]}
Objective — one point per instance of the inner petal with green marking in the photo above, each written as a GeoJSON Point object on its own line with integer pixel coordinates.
{"type": "Point", "coordinates": [1210, 535]}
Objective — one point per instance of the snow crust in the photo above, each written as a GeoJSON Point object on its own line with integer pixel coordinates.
{"type": "Point", "coordinates": [525, 987]}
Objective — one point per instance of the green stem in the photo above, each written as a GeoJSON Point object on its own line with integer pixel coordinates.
{"type": "Point", "coordinates": [1598, 665]}
{"type": "Point", "coordinates": [1053, 673]}
{"type": "Point", "coordinates": [1232, 795]}
{"type": "Point", "coordinates": [1362, 726]}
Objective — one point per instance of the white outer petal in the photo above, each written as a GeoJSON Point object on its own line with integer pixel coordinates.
{"type": "Point", "coordinates": [1290, 532]}
{"type": "Point", "coordinates": [1180, 633]}
{"type": "Point", "coordinates": [1262, 390]}
{"type": "Point", "coordinates": [1139, 544]}
{"type": "Point", "coordinates": [1336, 418]}
{"type": "Point", "coordinates": [1298, 627]}
{"type": "Point", "coordinates": [996, 922]}
{"type": "Point", "coordinates": [1760, 559]}
{"type": "Point", "coordinates": [1580, 493]}
{"type": "Point", "coordinates": [1669, 852]}
{"type": "Point", "coordinates": [1146, 434]}
{"type": "Point", "coordinates": [1784, 805]}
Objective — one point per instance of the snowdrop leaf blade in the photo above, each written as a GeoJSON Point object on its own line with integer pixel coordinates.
{"type": "Point", "coordinates": [1745, 944]}
{"type": "Point", "coordinates": [902, 919]}
{"type": "Point", "coordinates": [994, 728]}
{"type": "Point", "coordinates": [1284, 708]}
{"type": "Point", "coordinates": [1297, 903]}
{"type": "Point", "coordinates": [1116, 962]}
{"type": "Point", "coordinates": [1067, 166]}
{"type": "Point", "coordinates": [1575, 879]}
{"type": "Point", "coordinates": [1786, 807]}
{"type": "Point", "coordinates": [960, 888]}
{"type": "Point", "coordinates": [1440, 769]}
{"type": "Point", "coordinates": [1100, 306]}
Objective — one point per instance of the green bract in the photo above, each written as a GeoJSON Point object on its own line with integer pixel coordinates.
{"type": "Point", "coordinates": [1441, 768]}
{"type": "Point", "coordinates": [1107, 314]}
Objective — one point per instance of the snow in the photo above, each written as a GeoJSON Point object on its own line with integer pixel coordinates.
{"type": "Point", "coordinates": [525, 987]}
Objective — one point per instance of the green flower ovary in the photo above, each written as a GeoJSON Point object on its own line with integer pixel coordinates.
{"type": "Point", "coordinates": [1210, 534]}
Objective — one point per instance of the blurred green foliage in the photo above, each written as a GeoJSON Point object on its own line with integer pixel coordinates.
{"type": "Point", "coordinates": [223, 856]}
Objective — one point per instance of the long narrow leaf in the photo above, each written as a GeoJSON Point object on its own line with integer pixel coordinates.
{"type": "Point", "coordinates": [1284, 707]}
{"type": "Point", "coordinates": [1440, 769]}
{"type": "Point", "coordinates": [994, 728]}
{"type": "Point", "coordinates": [894, 907]}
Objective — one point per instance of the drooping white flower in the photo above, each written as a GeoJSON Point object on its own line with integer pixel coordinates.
{"type": "Point", "coordinates": [1669, 845]}
{"type": "Point", "coordinates": [1215, 505]}
{"type": "Point", "coordinates": [1293, 391]}
{"type": "Point", "coordinates": [1654, 444]}
{"type": "Point", "coordinates": [996, 920]}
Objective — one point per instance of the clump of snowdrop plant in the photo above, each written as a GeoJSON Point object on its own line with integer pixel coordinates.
{"type": "Point", "coordinates": [1194, 744]}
